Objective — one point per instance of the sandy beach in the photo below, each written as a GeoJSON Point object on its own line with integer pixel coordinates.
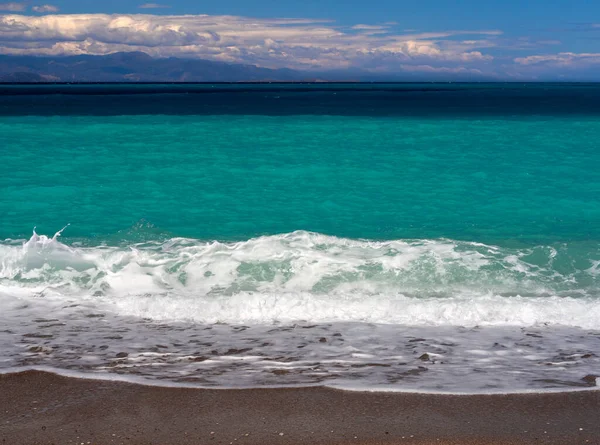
{"type": "Point", "coordinates": [43, 408]}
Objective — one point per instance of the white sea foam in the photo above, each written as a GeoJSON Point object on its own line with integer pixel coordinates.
{"type": "Point", "coordinates": [347, 355]}
{"type": "Point", "coordinates": [465, 310]}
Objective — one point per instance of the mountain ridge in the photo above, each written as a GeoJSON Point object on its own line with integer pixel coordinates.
{"type": "Point", "coordinates": [141, 67]}
{"type": "Point", "coordinates": [134, 67]}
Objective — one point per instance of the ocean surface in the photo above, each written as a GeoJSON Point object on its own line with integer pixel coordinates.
{"type": "Point", "coordinates": [403, 237]}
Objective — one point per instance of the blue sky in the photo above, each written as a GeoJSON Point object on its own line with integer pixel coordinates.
{"type": "Point", "coordinates": [507, 39]}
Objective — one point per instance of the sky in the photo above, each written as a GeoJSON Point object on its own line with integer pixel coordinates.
{"type": "Point", "coordinates": [504, 40]}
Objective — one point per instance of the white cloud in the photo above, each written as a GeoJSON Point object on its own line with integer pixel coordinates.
{"type": "Point", "coordinates": [561, 59]}
{"type": "Point", "coordinates": [369, 27]}
{"type": "Point", "coordinates": [12, 7]}
{"type": "Point", "coordinates": [45, 8]}
{"type": "Point", "coordinates": [153, 6]}
{"type": "Point", "coordinates": [275, 43]}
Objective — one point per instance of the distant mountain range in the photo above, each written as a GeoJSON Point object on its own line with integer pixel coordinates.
{"type": "Point", "coordinates": [136, 67]}
{"type": "Point", "coordinates": [140, 67]}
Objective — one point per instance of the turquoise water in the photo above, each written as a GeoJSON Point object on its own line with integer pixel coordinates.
{"type": "Point", "coordinates": [225, 177]}
{"type": "Point", "coordinates": [406, 237]}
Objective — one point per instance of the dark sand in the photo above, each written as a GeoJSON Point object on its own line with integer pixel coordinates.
{"type": "Point", "coordinates": [43, 408]}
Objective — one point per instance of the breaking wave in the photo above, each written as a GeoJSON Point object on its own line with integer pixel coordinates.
{"type": "Point", "coordinates": [312, 277]}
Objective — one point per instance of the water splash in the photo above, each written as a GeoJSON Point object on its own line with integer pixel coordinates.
{"type": "Point", "coordinates": [37, 242]}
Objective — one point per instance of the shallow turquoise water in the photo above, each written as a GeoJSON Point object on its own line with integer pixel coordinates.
{"type": "Point", "coordinates": [227, 177]}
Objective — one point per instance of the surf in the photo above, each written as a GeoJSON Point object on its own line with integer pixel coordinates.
{"type": "Point", "coordinates": [311, 276]}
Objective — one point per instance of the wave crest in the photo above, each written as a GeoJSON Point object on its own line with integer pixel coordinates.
{"type": "Point", "coordinates": [303, 275]}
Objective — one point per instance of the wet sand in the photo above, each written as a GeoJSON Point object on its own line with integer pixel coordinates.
{"type": "Point", "coordinates": [43, 408]}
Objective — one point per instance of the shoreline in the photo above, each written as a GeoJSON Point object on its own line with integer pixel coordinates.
{"type": "Point", "coordinates": [41, 408]}
{"type": "Point", "coordinates": [133, 379]}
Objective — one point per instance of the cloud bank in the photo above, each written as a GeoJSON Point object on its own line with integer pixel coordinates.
{"type": "Point", "coordinates": [272, 43]}
{"type": "Point", "coordinates": [573, 60]}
